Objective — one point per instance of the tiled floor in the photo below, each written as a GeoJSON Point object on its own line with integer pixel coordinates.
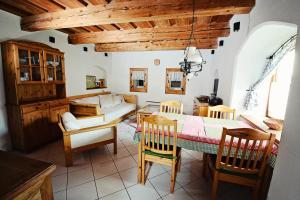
{"type": "Point", "coordinates": [99, 174]}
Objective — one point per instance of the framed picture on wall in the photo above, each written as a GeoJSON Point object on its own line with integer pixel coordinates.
{"type": "Point", "coordinates": [175, 81]}
{"type": "Point", "coordinates": [90, 82]}
{"type": "Point", "coordinates": [138, 79]}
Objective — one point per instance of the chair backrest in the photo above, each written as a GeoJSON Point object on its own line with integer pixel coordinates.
{"type": "Point", "coordinates": [221, 112]}
{"type": "Point", "coordinates": [244, 150]}
{"type": "Point", "coordinates": [159, 134]}
{"type": "Point", "coordinates": [171, 107]}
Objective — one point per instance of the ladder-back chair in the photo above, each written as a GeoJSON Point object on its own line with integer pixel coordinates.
{"type": "Point", "coordinates": [159, 139]}
{"type": "Point", "coordinates": [175, 107]}
{"type": "Point", "coordinates": [242, 158]}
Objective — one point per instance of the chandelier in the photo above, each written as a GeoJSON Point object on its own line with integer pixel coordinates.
{"type": "Point", "coordinates": [192, 60]}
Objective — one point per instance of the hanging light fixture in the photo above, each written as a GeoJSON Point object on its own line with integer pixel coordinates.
{"type": "Point", "coordinates": [193, 60]}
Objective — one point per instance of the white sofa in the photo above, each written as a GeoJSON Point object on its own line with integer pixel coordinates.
{"type": "Point", "coordinates": [111, 107]}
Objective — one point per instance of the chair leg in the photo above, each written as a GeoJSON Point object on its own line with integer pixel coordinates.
{"type": "Point", "coordinates": [68, 151]}
{"type": "Point", "coordinates": [178, 164]}
{"type": "Point", "coordinates": [204, 170]}
{"type": "Point", "coordinates": [173, 176]}
{"type": "Point", "coordinates": [214, 187]}
{"type": "Point", "coordinates": [256, 191]}
{"type": "Point", "coordinates": [143, 168]}
{"type": "Point", "coordinates": [114, 130]}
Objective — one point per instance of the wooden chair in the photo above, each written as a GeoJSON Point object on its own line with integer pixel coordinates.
{"type": "Point", "coordinates": [240, 162]}
{"type": "Point", "coordinates": [83, 139]}
{"type": "Point", "coordinates": [221, 112]}
{"type": "Point", "coordinates": [171, 107]}
{"type": "Point", "coordinates": [159, 139]}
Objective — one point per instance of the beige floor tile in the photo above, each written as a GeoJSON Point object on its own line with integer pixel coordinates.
{"type": "Point", "coordinates": [199, 189]}
{"type": "Point", "coordinates": [109, 185]}
{"type": "Point", "coordinates": [80, 176]}
{"type": "Point", "coordinates": [100, 155]}
{"type": "Point", "coordinates": [129, 176]}
{"type": "Point", "coordinates": [186, 158]}
{"type": "Point", "coordinates": [85, 191]}
{"type": "Point", "coordinates": [135, 157]}
{"type": "Point", "coordinates": [122, 152]}
{"type": "Point", "coordinates": [133, 149]}
{"type": "Point", "coordinates": [187, 175]}
{"type": "Point", "coordinates": [125, 163]}
{"type": "Point", "coordinates": [162, 184]}
{"type": "Point", "coordinates": [110, 147]}
{"type": "Point", "coordinates": [60, 170]}
{"type": "Point", "coordinates": [104, 169]}
{"type": "Point", "coordinates": [128, 142]}
{"type": "Point", "coordinates": [155, 170]}
{"type": "Point", "coordinates": [80, 161]}
{"type": "Point", "coordinates": [142, 192]}
{"type": "Point", "coordinates": [179, 194]}
{"type": "Point", "coordinates": [60, 195]}
{"type": "Point", "coordinates": [121, 195]}
{"type": "Point", "coordinates": [59, 183]}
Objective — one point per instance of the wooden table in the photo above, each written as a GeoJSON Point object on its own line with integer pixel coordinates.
{"type": "Point", "coordinates": [24, 178]}
{"type": "Point", "coordinates": [146, 111]}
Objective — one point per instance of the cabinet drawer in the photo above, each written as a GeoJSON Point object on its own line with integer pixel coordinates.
{"type": "Point", "coordinates": [34, 107]}
{"type": "Point", "coordinates": [58, 103]}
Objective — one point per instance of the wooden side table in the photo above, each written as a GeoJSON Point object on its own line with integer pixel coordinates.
{"type": "Point", "coordinates": [146, 111]}
{"type": "Point", "coordinates": [200, 109]}
{"type": "Point", "coordinates": [24, 178]}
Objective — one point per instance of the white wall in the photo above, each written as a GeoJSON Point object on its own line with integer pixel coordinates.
{"type": "Point", "coordinates": [78, 63]}
{"type": "Point", "coordinates": [121, 62]}
{"type": "Point", "coordinates": [286, 177]}
{"type": "Point", "coordinates": [262, 42]}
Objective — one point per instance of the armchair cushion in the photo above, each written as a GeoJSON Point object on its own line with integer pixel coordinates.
{"type": "Point", "coordinates": [70, 122]}
{"type": "Point", "coordinates": [91, 137]}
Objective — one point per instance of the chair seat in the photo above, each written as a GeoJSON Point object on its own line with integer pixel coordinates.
{"type": "Point", "coordinates": [212, 159]}
{"type": "Point", "coordinates": [167, 156]}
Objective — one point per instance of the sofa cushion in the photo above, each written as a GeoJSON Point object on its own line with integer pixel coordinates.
{"type": "Point", "coordinates": [91, 137]}
{"type": "Point", "coordinates": [106, 101]}
{"type": "Point", "coordinates": [70, 122]}
{"type": "Point", "coordinates": [91, 121]}
{"type": "Point", "coordinates": [117, 111]}
{"type": "Point", "coordinates": [118, 99]}
{"type": "Point", "coordinates": [88, 100]}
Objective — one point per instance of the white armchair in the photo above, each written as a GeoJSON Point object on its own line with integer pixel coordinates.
{"type": "Point", "coordinates": [84, 134]}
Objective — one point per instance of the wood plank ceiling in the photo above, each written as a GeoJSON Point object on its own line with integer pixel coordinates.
{"type": "Point", "coordinates": [131, 25]}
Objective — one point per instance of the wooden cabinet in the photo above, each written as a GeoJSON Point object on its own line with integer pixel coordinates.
{"type": "Point", "coordinates": [35, 92]}
{"type": "Point", "coordinates": [200, 109]}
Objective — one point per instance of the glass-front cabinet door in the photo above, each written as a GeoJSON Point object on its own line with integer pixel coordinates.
{"type": "Point", "coordinates": [37, 71]}
{"type": "Point", "coordinates": [50, 67]}
{"type": "Point", "coordinates": [54, 67]}
{"type": "Point", "coordinates": [59, 72]}
{"type": "Point", "coordinates": [30, 68]}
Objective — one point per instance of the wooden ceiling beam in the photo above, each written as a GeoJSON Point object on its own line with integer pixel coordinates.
{"type": "Point", "coordinates": [156, 45]}
{"type": "Point", "coordinates": [133, 11]}
{"type": "Point", "coordinates": [146, 34]}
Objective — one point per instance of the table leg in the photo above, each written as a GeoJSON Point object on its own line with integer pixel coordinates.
{"type": "Point", "coordinates": [139, 161]}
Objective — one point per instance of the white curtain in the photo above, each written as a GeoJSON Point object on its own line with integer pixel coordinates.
{"type": "Point", "coordinates": [251, 97]}
{"type": "Point", "coordinates": [176, 76]}
{"type": "Point", "coordinates": [136, 75]}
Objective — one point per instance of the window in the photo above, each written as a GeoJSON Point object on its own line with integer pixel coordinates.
{"type": "Point", "coordinates": [175, 81]}
{"type": "Point", "coordinates": [138, 79]}
{"type": "Point", "coordinates": [280, 86]}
